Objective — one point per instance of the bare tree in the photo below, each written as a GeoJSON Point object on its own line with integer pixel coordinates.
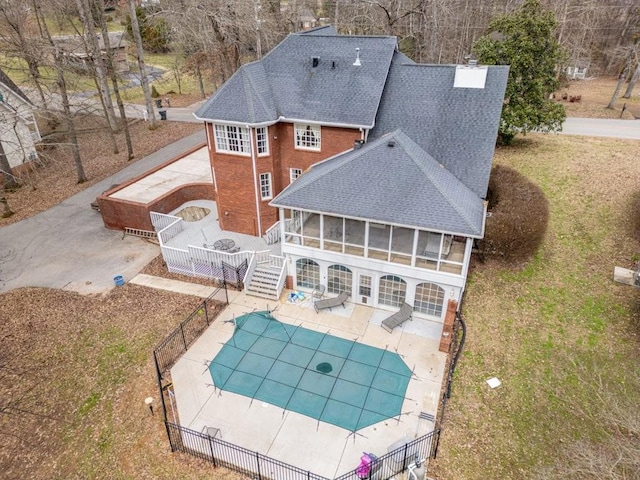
{"type": "Point", "coordinates": [98, 14]}
{"type": "Point", "coordinates": [62, 86]}
{"type": "Point", "coordinates": [144, 80]}
{"type": "Point", "coordinates": [632, 57]}
{"type": "Point", "coordinates": [9, 180]}
{"type": "Point", "coordinates": [97, 63]}
{"type": "Point", "coordinates": [19, 40]}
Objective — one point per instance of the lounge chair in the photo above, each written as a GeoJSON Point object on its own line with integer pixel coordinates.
{"type": "Point", "coordinates": [398, 318]}
{"type": "Point", "coordinates": [331, 302]}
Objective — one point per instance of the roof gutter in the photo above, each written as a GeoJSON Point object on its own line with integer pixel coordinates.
{"type": "Point", "coordinates": [281, 119]}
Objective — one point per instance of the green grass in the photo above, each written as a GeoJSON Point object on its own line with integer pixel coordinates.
{"type": "Point", "coordinates": [535, 327]}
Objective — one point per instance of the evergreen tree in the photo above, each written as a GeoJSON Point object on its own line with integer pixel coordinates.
{"type": "Point", "coordinates": [526, 41]}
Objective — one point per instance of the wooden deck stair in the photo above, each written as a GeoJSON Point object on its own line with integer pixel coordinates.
{"type": "Point", "coordinates": [264, 282]}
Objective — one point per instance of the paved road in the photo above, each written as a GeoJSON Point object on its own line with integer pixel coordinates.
{"type": "Point", "coordinates": [68, 246]}
{"type": "Point", "coordinates": [599, 127]}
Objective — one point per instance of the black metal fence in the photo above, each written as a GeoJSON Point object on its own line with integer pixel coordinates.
{"type": "Point", "coordinates": [221, 453]}
{"type": "Point", "coordinates": [224, 454]}
{"type": "Point", "coordinates": [234, 275]}
{"type": "Point", "coordinates": [178, 341]}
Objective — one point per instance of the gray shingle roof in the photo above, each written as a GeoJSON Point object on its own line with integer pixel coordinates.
{"type": "Point", "coordinates": [285, 84]}
{"type": "Point", "coordinates": [402, 185]}
{"type": "Point", "coordinates": [456, 126]}
{"type": "Point", "coordinates": [4, 78]}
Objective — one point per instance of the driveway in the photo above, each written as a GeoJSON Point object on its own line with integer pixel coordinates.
{"type": "Point", "coordinates": [68, 246]}
{"type": "Point", "coordinates": [600, 127]}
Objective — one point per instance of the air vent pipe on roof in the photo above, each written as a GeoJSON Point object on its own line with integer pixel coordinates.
{"type": "Point", "coordinates": [391, 143]}
{"type": "Point", "coordinates": [315, 61]}
{"type": "Point", "coordinates": [357, 62]}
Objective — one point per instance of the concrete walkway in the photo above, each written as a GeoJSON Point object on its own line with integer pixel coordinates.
{"type": "Point", "coordinates": [175, 286]}
{"type": "Point", "coordinates": [68, 246]}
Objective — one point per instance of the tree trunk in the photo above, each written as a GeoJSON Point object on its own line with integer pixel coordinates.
{"type": "Point", "coordinates": [62, 85]}
{"type": "Point", "coordinates": [9, 181]}
{"type": "Point", "coordinates": [614, 98]}
{"type": "Point", "coordinates": [632, 82]}
{"type": "Point", "coordinates": [114, 78]}
{"type": "Point", "coordinates": [6, 211]}
{"type": "Point", "coordinates": [199, 77]}
{"type": "Point", "coordinates": [143, 70]}
{"type": "Point", "coordinates": [93, 48]}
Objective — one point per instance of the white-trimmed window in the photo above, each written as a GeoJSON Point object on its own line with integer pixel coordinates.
{"type": "Point", "coordinates": [339, 279]}
{"type": "Point", "coordinates": [307, 273]}
{"type": "Point", "coordinates": [307, 136]}
{"type": "Point", "coordinates": [429, 299]}
{"type": "Point", "coordinates": [265, 186]}
{"type": "Point", "coordinates": [232, 139]}
{"type": "Point", "coordinates": [392, 291]}
{"type": "Point", "coordinates": [262, 141]}
{"type": "Point", "coordinates": [294, 173]}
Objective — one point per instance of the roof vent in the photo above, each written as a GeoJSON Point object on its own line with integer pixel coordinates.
{"type": "Point", "coordinates": [315, 61]}
{"type": "Point", "coordinates": [357, 62]}
{"type": "Point", "coordinates": [391, 143]}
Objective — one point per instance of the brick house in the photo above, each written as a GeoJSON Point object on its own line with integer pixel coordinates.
{"type": "Point", "coordinates": [374, 168]}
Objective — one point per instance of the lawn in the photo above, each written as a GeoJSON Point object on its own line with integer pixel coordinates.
{"type": "Point", "coordinates": [555, 329]}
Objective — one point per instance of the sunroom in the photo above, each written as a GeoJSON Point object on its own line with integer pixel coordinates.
{"type": "Point", "coordinates": [403, 245]}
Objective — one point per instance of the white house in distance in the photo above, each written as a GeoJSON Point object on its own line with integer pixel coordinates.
{"type": "Point", "coordinates": [18, 129]}
{"type": "Point", "coordinates": [378, 167]}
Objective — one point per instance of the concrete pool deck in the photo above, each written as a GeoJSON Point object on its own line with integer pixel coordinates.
{"type": "Point", "coordinates": [293, 438]}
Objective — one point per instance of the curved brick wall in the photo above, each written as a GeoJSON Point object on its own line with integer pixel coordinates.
{"type": "Point", "coordinates": [118, 214]}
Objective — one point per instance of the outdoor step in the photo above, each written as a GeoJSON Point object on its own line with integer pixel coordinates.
{"type": "Point", "coordinates": [267, 271]}
{"type": "Point", "coordinates": [261, 289]}
{"type": "Point", "coordinates": [266, 275]}
{"type": "Point", "coordinates": [264, 281]}
{"type": "Point", "coordinates": [263, 293]}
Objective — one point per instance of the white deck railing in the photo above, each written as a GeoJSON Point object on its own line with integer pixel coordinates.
{"type": "Point", "coordinates": [272, 235]}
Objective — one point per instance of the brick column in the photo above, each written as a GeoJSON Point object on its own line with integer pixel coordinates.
{"type": "Point", "coordinates": [447, 331]}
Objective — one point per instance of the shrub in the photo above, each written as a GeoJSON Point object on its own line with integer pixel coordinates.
{"type": "Point", "coordinates": [154, 92]}
{"type": "Point", "coordinates": [519, 216]}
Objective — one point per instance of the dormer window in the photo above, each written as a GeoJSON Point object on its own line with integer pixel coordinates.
{"type": "Point", "coordinates": [307, 136]}
{"type": "Point", "coordinates": [232, 139]}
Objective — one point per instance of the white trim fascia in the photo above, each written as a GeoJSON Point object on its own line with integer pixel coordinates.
{"type": "Point", "coordinates": [236, 124]}
{"type": "Point", "coordinates": [285, 120]}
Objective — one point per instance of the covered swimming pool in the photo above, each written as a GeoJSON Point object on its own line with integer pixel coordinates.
{"type": "Point", "coordinates": [334, 380]}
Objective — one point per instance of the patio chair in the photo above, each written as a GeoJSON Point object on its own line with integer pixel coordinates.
{"type": "Point", "coordinates": [331, 302]}
{"type": "Point", "coordinates": [398, 318]}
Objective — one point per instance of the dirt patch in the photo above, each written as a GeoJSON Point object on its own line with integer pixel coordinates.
{"type": "Point", "coordinates": [589, 99]}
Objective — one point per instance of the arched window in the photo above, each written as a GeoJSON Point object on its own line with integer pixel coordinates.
{"type": "Point", "coordinates": [339, 280]}
{"type": "Point", "coordinates": [429, 299]}
{"type": "Point", "coordinates": [393, 291]}
{"type": "Point", "coordinates": [307, 273]}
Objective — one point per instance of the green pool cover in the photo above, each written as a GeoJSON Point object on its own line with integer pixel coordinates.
{"type": "Point", "coordinates": [337, 381]}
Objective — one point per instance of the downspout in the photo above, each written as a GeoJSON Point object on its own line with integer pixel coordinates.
{"type": "Point", "coordinates": [255, 178]}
